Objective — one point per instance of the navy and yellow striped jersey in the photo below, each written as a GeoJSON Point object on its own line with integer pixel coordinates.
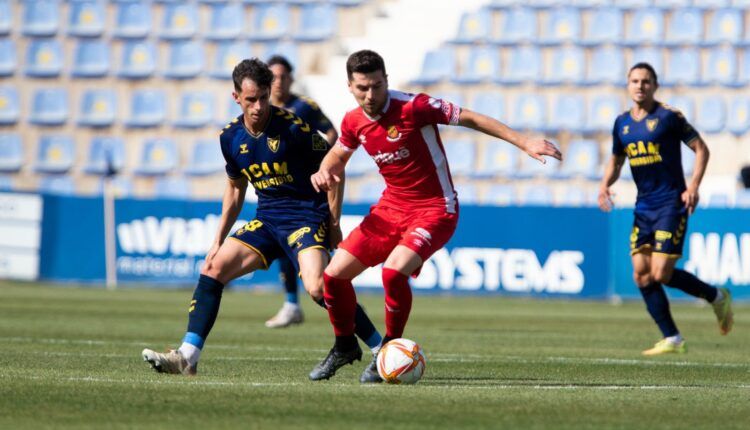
{"type": "Point", "coordinates": [278, 162]}
{"type": "Point", "coordinates": [653, 148]}
{"type": "Point", "coordinates": [309, 111]}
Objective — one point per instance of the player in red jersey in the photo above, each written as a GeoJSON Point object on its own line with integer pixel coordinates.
{"type": "Point", "coordinates": [418, 211]}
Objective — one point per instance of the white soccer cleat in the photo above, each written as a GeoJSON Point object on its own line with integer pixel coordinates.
{"type": "Point", "coordinates": [169, 362]}
{"type": "Point", "coordinates": [288, 314]}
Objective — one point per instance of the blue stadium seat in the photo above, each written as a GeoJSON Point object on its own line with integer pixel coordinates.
{"type": "Point", "coordinates": [483, 64]}
{"type": "Point", "coordinates": [468, 193]}
{"type": "Point", "coordinates": [646, 26]}
{"type": "Point", "coordinates": [498, 159]}
{"type": "Point", "coordinates": [206, 158]}
{"type": "Point", "coordinates": [517, 25]}
{"type": "Point", "coordinates": [10, 106]}
{"type": "Point", "coordinates": [6, 17]}
{"type": "Point", "coordinates": [536, 195]}
{"type": "Point", "coordinates": [456, 98]}
{"type": "Point", "coordinates": [490, 104]}
{"type": "Point", "coordinates": [718, 200]}
{"type": "Point", "coordinates": [683, 67]}
{"type": "Point", "coordinates": [86, 18]}
{"type": "Point", "coordinates": [524, 65]}
{"type": "Point", "coordinates": [270, 22]}
{"type": "Point", "coordinates": [133, 20]}
{"type": "Point", "coordinates": [582, 159]}
{"type": "Point", "coordinates": [347, 3]}
{"type": "Point", "coordinates": [227, 21]}
{"type": "Point", "coordinates": [738, 120]}
{"type": "Point", "coordinates": [44, 58]}
{"type": "Point", "coordinates": [6, 183]}
{"type": "Point", "coordinates": [687, 157]}
{"type": "Point", "coordinates": [602, 111]}
{"type": "Point", "coordinates": [604, 26]}
{"type": "Point", "coordinates": [11, 153]}
{"type": "Point", "coordinates": [533, 168]}
{"type": "Point", "coordinates": [711, 4]}
{"type": "Point", "coordinates": [725, 26]}
{"type": "Point", "coordinates": [461, 155]}
{"type": "Point", "coordinates": [606, 66]}
{"type": "Point", "coordinates": [631, 4]}
{"type": "Point", "coordinates": [49, 106]}
{"type": "Point", "coordinates": [106, 156]}
{"type": "Point", "coordinates": [710, 115]}
{"type": "Point", "coordinates": [233, 111]}
{"type": "Point", "coordinates": [180, 21]}
{"type": "Point", "coordinates": [56, 154]}
{"type": "Point", "coordinates": [573, 196]}
{"type": "Point", "coordinates": [568, 66]}
{"type": "Point", "coordinates": [721, 67]}
{"type": "Point", "coordinates": [685, 105]}
{"type": "Point", "coordinates": [504, 4]}
{"type": "Point", "coordinates": [318, 22]}
{"type": "Point", "coordinates": [172, 187]}
{"type": "Point", "coordinates": [122, 186]}
{"type": "Point", "coordinates": [185, 59]}
{"type": "Point", "coordinates": [287, 50]}
{"type": "Point", "coordinates": [530, 112]}
{"type": "Point", "coordinates": [500, 195]}
{"type": "Point", "coordinates": [438, 65]}
{"type": "Point", "coordinates": [147, 108]}
{"type": "Point", "coordinates": [684, 27]}
{"type": "Point", "coordinates": [98, 108]}
{"type": "Point", "coordinates": [742, 198]}
{"type": "Point", "coordinates": [474, 27]}
{"type": "Point", "coordinates": [226, 56]}
{"type": "Point", "coordinates": [8, 62]}
{"type": "Point", "coordinates": [158, 157]}
{"type": "Point", "coordinates": [360, 164]}
{"type": "Point", "coordinates": [40, 17]}
{"type": "Point", "coordinates": [196, 109]}
{"type": "Point", "coordinates": [564, 26]}
{"type": "Point", "coordinates": [138, 60]}
{"type": "Point", "coordinates": [744, 69]}
{"type": "Point", "coordinates": [62, 185]}
{"type": "Point", "coordinates": [568, 114]}
{"type": "Point", "coordinates": [91, 59]}
{"type": "Point", "coordinates": [653, 56]}
{"type": "Point", "coordinates": [368, 190]}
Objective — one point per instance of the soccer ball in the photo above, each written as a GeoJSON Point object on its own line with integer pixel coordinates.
{"type": "Point", "coordinates": [401, 361]}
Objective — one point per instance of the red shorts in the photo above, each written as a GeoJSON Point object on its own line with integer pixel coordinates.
{"type": "Point", "coordinates": [422, 231]}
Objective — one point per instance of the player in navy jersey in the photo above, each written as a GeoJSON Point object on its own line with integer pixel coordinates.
{"type": "Point", "coordinates": [281, 96]}
{"type": "Point", "coordinates": [649, 136]}
{"type": "Point", "coordinates": [276, 152]}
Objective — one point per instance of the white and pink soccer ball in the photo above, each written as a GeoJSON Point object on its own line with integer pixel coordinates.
{"type": "Point", "coordinates": [401, 361]}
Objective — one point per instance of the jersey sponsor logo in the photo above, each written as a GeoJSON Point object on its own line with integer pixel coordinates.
{"type": "Point", "coordinates": [625, 130]}
{"type": "Point", "coordinates": [643, 153]}
{"type": "Point", "coordinates": [390, 157]}
{"type": "Point", "coordinates": [663, 235]}
{"type": "Point", "coordinates": [393, 134]}
{"type": "Point", "coordinates": [295, 237]}
{"type": "Point", "coordinates": [719, 258]}
{"type": "Point", "coordinates": [273, 143]}
{"type": "Point", "coordinates": [319, 143]}
{"type": "Point", "coordinates": [652, 123]}
{"type": "Point", "coordinates": [243, 148]}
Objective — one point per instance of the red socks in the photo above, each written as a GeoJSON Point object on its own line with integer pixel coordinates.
{"type": "Point", "coordinates": [397, 302]}
{"type": "Point", "coordinates": [342, 304]}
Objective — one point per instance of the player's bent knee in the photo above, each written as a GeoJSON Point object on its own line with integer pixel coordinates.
{"type": "Point", "coordinates": [642, 279]}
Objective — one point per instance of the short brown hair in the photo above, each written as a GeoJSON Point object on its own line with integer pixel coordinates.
{"type": "Point", "coordinates": [364, 61]}
{"type": "Point", "coordinates": [252, 69]}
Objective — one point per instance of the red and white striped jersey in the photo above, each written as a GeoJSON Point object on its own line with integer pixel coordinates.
{"type": "Point", "coordinates": [405, 144]}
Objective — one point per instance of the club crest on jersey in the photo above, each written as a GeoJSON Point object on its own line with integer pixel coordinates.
{"type": "Point", "coordinates": [652, 123]}
{"type": "Point", "coordinates": [625, 130]}
{"type": "Point", "coordinates": [273, 143]}
{"type": "Point", "coordinates": [393, 134]}
{"type": "Point", "coordinates": [319, 143]}
{"type": "Point", "coordinates": [243, 148]}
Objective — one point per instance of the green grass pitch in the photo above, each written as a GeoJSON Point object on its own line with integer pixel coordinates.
{"type": "Point", "coordinates": [70, 358]}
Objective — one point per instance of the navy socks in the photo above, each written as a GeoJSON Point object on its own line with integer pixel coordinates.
{"type": "Point", "coordinates": [658, 307]}
{"type": "Point", "coordinates": [688, 283]}
{"type": "Point", "coordinates": [203, 310]}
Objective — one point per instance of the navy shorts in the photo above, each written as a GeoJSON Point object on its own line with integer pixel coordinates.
{"type": "Point", "coordinates": [659, 231]}
{"type": "Point", "coordinates": [272, 239]}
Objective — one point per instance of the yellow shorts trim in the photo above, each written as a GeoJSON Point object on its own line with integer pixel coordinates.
{"type": "Point", "coordinates": [312, 247]}
{"type": "Point", "coordinates": [645, 249]}
{"type": "Point", "coordinates": [669, 256]}
{"type": "Point", "coordinates": [254, 249]}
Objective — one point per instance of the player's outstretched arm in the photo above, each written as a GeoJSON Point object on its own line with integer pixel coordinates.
{"type": "Point", "coordinates": [611, 174]}
{"type": "Point", "coordinates": [536, 147]}
{"type": "Point", "coordinates": [231, 205]}
{"type": "Point", "coordinates": [690, 196]}
{"type": "Point", "coordinates": [331, 169]}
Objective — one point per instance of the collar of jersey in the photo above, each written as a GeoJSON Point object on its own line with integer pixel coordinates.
{"type": "Point", "coordinates": [656, 106]}
{"type": "Point", "coordinates": [384, 110]}
{"type": "Point", "coordinates": [250, 133]}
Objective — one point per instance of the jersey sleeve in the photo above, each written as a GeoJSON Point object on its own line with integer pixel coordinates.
{"type": "Point", "coordinates": [683, 128]}
{"type": "Point", "coordinates": [348, 139]}
{"type": "Point", "coordinates": [430, 110]}
{"type": "Point", "coordinates": [315, 116]}
{"type": "Point", "coordinates": [617, 147]}
{"type": "Point", "coordinates": [233, 171]}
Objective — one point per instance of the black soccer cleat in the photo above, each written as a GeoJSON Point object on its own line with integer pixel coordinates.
{"type": "Point", "coordinates": [333, 362]}
{"type": "Point", "coordinates": [370, 374]}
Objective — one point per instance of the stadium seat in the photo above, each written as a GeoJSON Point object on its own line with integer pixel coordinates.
{"type": "Point", "coordinates": [568, 66]}
{"type": "Point", "coordinates": [573, 196]}
{"type": "Point", "coordinates": [685, 105]}
{"type": "Point", "coordinates": [347, 3]}
{"type": "Point", "coordinates": [158, 157]}
{"type": "Point", "coordinates": [91, 59]}
{"type": "Point", "coordinates": [725, 26]}
{"type": "Point", "coordinates": [438, 65]}
{"type": "Point", "coordinates": [649, 55]}
{"type": "Point", "coordinates": [233, 111]}
{"type": "Point", "coordinates": [40, 17]}
{"type": "Point", "coordinates": [738, 120]}
{"type": "Point", "coordinates": [55, 154]}
{"type": "Point", "coordinates": [742, 199]}
{"type": "Point", "coordinates": [743, 77]}
{"type": "Point", "coordinates": [646, 27]}
{"type": "Point", "coordinates": [456, 98]}
{"type": "Point", "coordinates": [226, 56]}
{"type": "Point", "coordinates": [185, 59]}
{"type": "Point", "coordinates": [6, 183]}
{"type": "Point", "coordinates": [536, 195]}
{"type": "Point", "coordinates": [683, 68]}
{"type": "Point", "coordinates": [498, 159]}
{"type": "Point", "coordinates": [687, 156]}
{"type": "Point", "coordinates": [6, 17]}
{"type": "Point", "coordinates": [62, 185]}
{"type": "Point", "coordinates": [474, 27]}
{"type": "Point", "coordinates": [98, 108]}
{"type": "Point", "coordinates": [568, 114]}
{"type": "Point", "coordinates": [582, 159]}
{"type": "Point", "coordinates": [468, 193]}
{"type": "Point", "coordinates": [517, 25]}
{"type": "Point", "coordinates": [10, 106]}
{"type": "Point", "coordinates": [172, 187]}
{"type": "Point", "coordinates": [138, 60]}
{"type": "Point", "coordinates": [11, 153]}
{"type": "Point", "coordinates": [711, 4]}
{"type": "Point", "coordinates": [49, 106]}
{"type": "Point", "coordinates": [122, 186]}
{"type": "Point", "coordinates": [287, 50]}
{"type": "Point", "coordinates": [360, 163]}
{"type": "Point", "coordinates": [605, 25]}
{"type": "Point", "coordinates": [147, 108]}
{"type": "Point", "coordinates": [133, 20]}
{"type": "Point", "coordinates": [710, 115]}
{"type": "Point", "coordinates": [721, 67]}
{"type": "Point", "coordinates": [227, 21]}
{"type": "Point", "coordinates": [86, 18]}
{"type": "Point", "coordinates": [684, 27]}
{"type": "Point", "coordinates": [180, 21]}
{"type": "Point", "coordinates": [106, 156]}
{"type": "Point", "coordinates": [318, 22]}
{"type": "Point", "coordinates": [524, 65]}
{"type": "Point", "coordinates": [196, 109]}
{"type": "Point", "coordinates": [533, 168]}
{"type": "Point", "coordinates": [602, 111]}
{"type": "Point", "coordinates": [369, 190]}
{"type": "Point", "coordinates": [718, 200]}
{"type": "Point", "coordinates": [500, 195]}
{"type": "Point", "coordinates": [606, 66]}
{"type": "Point", "coordinates": [461, 155]}
{"type": "Point", "coordinates": [631, 4]}
{"type": "Point", "coordinates": [206, 158]}
{"type": "Point", "coordinates": [44, 58]}
{"type": "Point", "coordinates": [564, 26]}
{"type": "Point", "coordinates": [529, 112]}
{"type": "Point", "coordinates": [490, 104]}
{"type": "Point", "coordinates": [8, 62]}
{"type": "Point", "coordinates": [270, 22]}
{"type": "Point", "coordinates": [483, 64]}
